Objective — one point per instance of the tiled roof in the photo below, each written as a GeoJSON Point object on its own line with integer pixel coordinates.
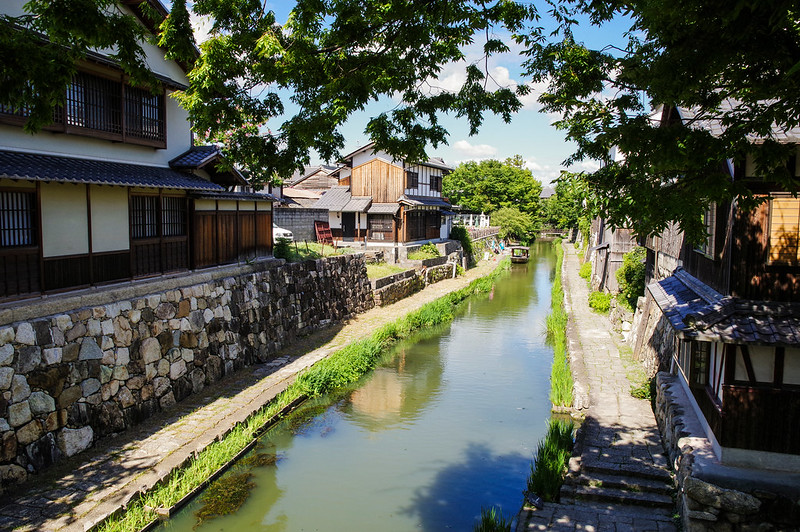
{"type": "Point", "coordinates": [358, 204]}
{"type": "Point", "coordinates": [36, 167]}
{"type": "Point", "coordinates": [384, 208]}
{"type": "Point", "coordinates": [242, 196]}
{"type": "Point", "coordinates": [295, 193]}
{"type": "Point", "coordinates": [424, 200]}
{"type": "Point", "coordinates": [717, 128]}
{"type": "Point", "coordinates": [697, 312]}
{"type": "Point", "coordinates": [196, 157]}
{"type": "Point", "coordinates": [334, 199]}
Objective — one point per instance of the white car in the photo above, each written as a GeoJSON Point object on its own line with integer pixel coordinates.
{"type": "Point", "coordinates": [277, 233]}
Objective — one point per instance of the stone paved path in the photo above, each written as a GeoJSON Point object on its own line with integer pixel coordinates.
{"type": "Point", "coordinates": [618, 479]}
{"type": "Point", "coordinates": [78, 494]}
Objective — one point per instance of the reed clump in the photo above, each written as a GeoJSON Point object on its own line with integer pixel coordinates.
{"type": "Point", "coordinates": [492, 520]}
{"type": "Point", "coordinates": [556, 324]}
{"type": "Point", "coordinates": [342, 368]}
{"type": "Point", "coordinates": [549, 463]}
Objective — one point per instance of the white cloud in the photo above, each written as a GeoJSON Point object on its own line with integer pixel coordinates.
{"type": "Point", "coordinates": [201, 26]}
{"type": "Point", "coordinates": [474, 151]}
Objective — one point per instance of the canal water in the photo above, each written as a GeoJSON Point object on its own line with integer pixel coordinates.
{"type": "Point", "coordinates": [447, 424]}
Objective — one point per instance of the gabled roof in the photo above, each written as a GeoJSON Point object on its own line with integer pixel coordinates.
{"type": "Point", "coordinates": [698, 312]}
{"type": "Point", "coordinates": [435, 162]}
{"type": "Point", "coordinates": [384, 208]}
{"type": "Point", "coordinates": [309, 171]}
{"type": "Point", "coordinates": [36, 167]}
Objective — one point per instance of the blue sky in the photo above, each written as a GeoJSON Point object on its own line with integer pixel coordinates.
{"type": "Point", "coordinates": [529, 134]}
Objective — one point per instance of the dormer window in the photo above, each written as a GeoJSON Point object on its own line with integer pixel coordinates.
{"type": "Point", "coordinates": [106, 108]}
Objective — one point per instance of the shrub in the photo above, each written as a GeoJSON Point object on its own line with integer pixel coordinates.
{"type": "Point", "coordinates": [630, 276]}
{"type": "Point", "coordinates": [600, 301]}
{"type": "Point", "coordinates": [460, 233]}
{"type": "Point", "coordinates": [425, 251]}
{"type": "Point", "coordinates": [586, 270]}
{"type": "Point", "coordinates": [281, 249]}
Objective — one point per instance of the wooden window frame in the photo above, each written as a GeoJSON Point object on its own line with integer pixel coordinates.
{"type": "Point", "coordinates": [436, 183]}
{"type": "Point", "coordinates": [87, 113]}
{"type": "Point", "coordinates": [412, 179]}
{"type": "Point", "coordinates": [707, 248]}
{"type": "Point", "coordinates": [796, 236]}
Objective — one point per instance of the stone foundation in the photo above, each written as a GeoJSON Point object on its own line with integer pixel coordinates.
{"type": "Point", "coordinates": [392, 288]}
{"type": "Point", "coordinates": [712, 497]}
{"type": "Point", "coordinates": [70, 378]}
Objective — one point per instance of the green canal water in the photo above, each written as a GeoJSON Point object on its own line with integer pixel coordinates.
{"type": "Point", "coordinates": [447, 424]}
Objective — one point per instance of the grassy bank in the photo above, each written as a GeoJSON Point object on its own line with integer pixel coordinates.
{"type": "Point", "coordinates": [560, 376]}
{"type": "Point", "coordinates": [549, 463]}
{"type": "Point", "coordinates": [342, 368]}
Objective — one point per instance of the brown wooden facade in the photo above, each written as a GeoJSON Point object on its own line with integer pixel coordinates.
{"type": "Point", "coordinates": [203, 238]}
{"type": "Point", "coordinates": [383, 181]}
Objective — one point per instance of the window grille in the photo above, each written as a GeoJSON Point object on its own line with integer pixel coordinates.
{"type": "Point", "coordinates": [143, 117]}
{"type": "Point", "coordinates": [380, 222]}
{"type": "Point", "coordinates": [17, 219]}
{"type": "Point", "coordinates": [144, 216]}
{"type": "Point", "coordinates": [709, 222]}
{"type": "Point", "coordinates": [173, 215]}
{"type": "Point", "coordinates": [412, 178]}
{"type": "Point", "coordinates": [93, 103]}
{"type": "Point", "coordinates": [436, 183]}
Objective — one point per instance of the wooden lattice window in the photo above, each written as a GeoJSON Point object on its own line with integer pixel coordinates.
{"type": "Point", "coordinates": [143, 114]}
{"type": "Point", "coordinates": [173, 215]}
{"type": "Point", "coordinates": [94, 103]}
{"type": "Point", "coordinates": [17, 219]}
{"type": "Point", "coordinates": [412, 179]}
{"type": "Point", "coordinates": [784, 230]}
{"type": "Point", "coordinates": [709, 223]}
{"type": "Point", "coordinates": [144, 216]}
{"type": "Point", "coordinates": [436, 183]}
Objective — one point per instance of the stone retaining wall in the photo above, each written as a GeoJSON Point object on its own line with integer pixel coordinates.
{"type": "Point", "coordinates": [70, 378]}
{"type": "Point", "coordinates": [721, 502]}
{"type": "Point", "coordinates": [398, 286]}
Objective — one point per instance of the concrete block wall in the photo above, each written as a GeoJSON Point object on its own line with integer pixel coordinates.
{"type": "Point", "coordinates": [299, 221]}
{"type": "Point", "coordinates": [71, 378]}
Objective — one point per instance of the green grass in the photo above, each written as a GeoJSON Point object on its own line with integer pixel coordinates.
{"type": "Point", "coordinates": [492, 520]}
{"type": "Point", "coordinates": [376, 271]}
{"type": "Point", "coordinates": [426, 251]}
{"type": "Point", "coordinates": [549, 463]}
{"type": "Point", "coordinates": [586, 270]}
{"type": "Point", "coordinates": [300, 251]}
{"type": "Point", "coordinates": [556, 323]}
{"type": "Point", "coordinates": [340, 369]}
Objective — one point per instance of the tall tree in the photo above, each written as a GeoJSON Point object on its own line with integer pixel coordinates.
{"type": "Point", "coordinates": [332, 57]}
{"type": "Point", "coordinates": [564, 208]}
{"type": "Point", "coordinates": [733, 67]}
{"type": "Point", "coordinates": [488, 185]}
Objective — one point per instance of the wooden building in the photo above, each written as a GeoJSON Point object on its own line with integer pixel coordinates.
{"type": "Point", "coordinates": [733, 309]}
{"type": "Point", "coordinates": [114, 189]}
{"type": "Point", "coordinates": [383, 200]}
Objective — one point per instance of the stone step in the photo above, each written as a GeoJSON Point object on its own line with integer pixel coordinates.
{"type": "Point", "coordinates": [619, 496]}
{"type": "Point", "coordinates": [606, 480]}
{"type": "Point", "coordinates": [630, 469]}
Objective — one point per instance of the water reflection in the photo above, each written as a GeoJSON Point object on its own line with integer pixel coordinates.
{"type": "Point", "coordinates": [446, 425]}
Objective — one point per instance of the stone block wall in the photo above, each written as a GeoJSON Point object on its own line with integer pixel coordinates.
{"type": "Point", "coordinates": [299, 221]}
{"type": "Point", "coordinates": [652, 336]}
{"type": "Point", "coordinates": [70, 378]}
{"type": "Point", "coordinates": [723, 501]}
{"type": "Point", "coordinates": [395, 287]}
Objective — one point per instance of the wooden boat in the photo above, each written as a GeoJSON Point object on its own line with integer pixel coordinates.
{"type": "Point", "coordinates": [519, 254]}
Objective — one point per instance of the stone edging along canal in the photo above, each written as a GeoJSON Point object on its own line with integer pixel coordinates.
{"type": "Point", "coordinates": [180, 484]}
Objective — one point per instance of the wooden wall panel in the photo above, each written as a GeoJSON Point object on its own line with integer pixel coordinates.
{"type": "Point", "coordinates": [379, 179]}
{"type": "Point", "coordinates": [226, 237]}
{"type": "Point", "coordinates": [204, 239]}
{"type": "Point", "coordinates": [19, 272]}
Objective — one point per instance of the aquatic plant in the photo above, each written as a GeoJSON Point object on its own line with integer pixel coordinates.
{"type": "Point", "coordinates": [224, 496]}
{"type": "Point", "coordinates": [549, 463]}
{"type": "Point", "coordinates": [492, 520]}
{"type": "Point", "coordinates": [340, 369]}
{"type": "Point", "coordinates": [556, 325]}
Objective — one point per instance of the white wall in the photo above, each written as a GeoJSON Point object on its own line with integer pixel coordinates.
{"type": "Point", "coordinates": [110, 230]}
{"type": "Point", "coordinates": [368, 155]}
{"type": "Point", "coordinates": [335, 220]}
{"type": "Point", "coordinates": [64, 219]}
